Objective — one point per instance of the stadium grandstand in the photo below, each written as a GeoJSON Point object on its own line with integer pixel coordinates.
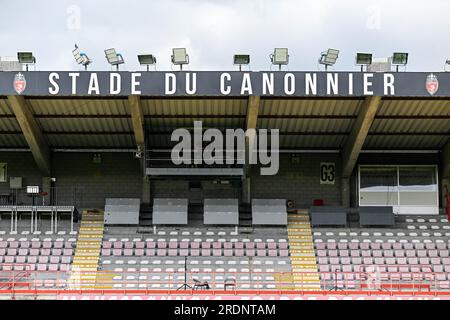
{"type": "Point", "coordinates": [215, 184]}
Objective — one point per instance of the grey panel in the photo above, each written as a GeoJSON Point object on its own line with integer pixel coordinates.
{"type": "Point", "coordinates": [170, 211]}
{"type": "Point", "coordinates": [221, 211]}
{"type": "Point", "coordinates": [269, 212]}
{"type": "Point", "coordinates": [122, 211]}
{"type": "Point", "coordinates": [376, 216]}
{"type": "Point", "coordinates": [328, 216]}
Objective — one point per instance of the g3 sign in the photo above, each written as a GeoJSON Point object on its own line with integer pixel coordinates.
{"type": "Point", "coordinates": [327, 172]}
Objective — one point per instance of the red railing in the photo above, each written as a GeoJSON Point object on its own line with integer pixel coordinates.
{"type": "Point", "coordinates": [235, 283]}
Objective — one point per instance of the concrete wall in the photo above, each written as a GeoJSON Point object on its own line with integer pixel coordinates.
{"type": "Point", "coordinates": [118, 175]}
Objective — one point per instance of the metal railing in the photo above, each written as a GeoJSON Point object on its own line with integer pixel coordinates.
{"type": "Point", "coordinates": [26, 282]}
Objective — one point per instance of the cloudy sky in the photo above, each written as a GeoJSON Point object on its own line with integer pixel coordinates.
{"type": "Point", "coordinates": [213, 30]}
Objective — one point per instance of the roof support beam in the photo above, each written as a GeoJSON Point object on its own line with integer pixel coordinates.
{"type": "Point", "coordinates": [358, 134]}
{"type": "Point", "coordinates": [137, 119]}
{"type": "Point", "coordinates": [32, 133]}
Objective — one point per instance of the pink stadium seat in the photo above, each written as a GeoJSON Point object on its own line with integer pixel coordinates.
{"type": "Point", "coordinates": [260, 245]}
{"type": "Point", "coordinates": [41, 267]}
{"type": "Point", "coordinates": [205, 252]}
{"type": "Point", "coordinates": [421, 253]}
{"type": "Point", "coordinates": [139, 252]}
{"type": "Point", "coordinates": [435, 261]}
{"type": "Point", "coordinates": [334, 261]}
{"type": "Point", "coordinates": [410, 253]}
{"type": "Point", "coordinates": [150, 244]}
{"type": "Point", "coordinates": [217, 245]}
{"type": "Point", "coordinates": [408, 246]}
{"type": "Point", "coordinates": [284, 253]}
{"type": "Point", "coordinates": [58, 244]}
{"type": "Point", "coordinates": [116, 252]}
{"type": "Point", "coordinates": [23, 252]}
{"type": "Point", "coordinates": [432, 253]}
{"type": "Point", "coordinates": [11, 252]}
{"type": "Point", "coordinates": [228, 245]}
{"type": "Point", "coordinates": [397, 246]}
{"type": "Point", "coordinates": [323, 260]}
{"type": "Point", "coordinates": [378, 261]}
{"type": "Point", "coordinates": [2, 252]}
{"type": "Point", "coordinates": [239, 252]}
{"type": "Point", "coordinates": [283, 245]}
{"type": "Point", "coordinates": [250, 245]}
{"type": "Point", "coordinates": [399, 253]}
{"type": "Point", "coordinates": [402, 261]}
{"type": "Point", "coordinates": [25, 244]}
{"type": "Point", "coordinates": [354, 253]}
{"type": "Point", "coordinates": [342, 246]}
{"type": "Point", "coordinates": [430, 246]}
{"type": "Point", "coordinates": [46, 244]}
{"type": "Point", "coordinates": [161, 252]}
{"type": "Point", "coordinates": [332, 253]}
{"type": "Point", "coordinates": [366, 253]}
{"type": "Point", "coordinates": [343, 253]}
{"type": "Point", "coordinates": [320, 246]}
{"type": "Point", "coordinates": [321, 253]}
{"type": "Point", "coordinates": [390, 261]}
{"type": "Point", "coordinates": [364, 246]}
{"type": "Point", "coordinates": [173, 252]}
{"type": "Point", "coordinates": [386, 246]}
{"type": "Point", "coordinates": [388, 253]}
{"type": "Point", "coordinates": [14, 244]}
{"type": "Point", "coordinates": [250, 252]}
{"type": "Point", "coordinates": [64, 267]}
{"type": "Point", "coordinates": [139, 244]}
{"type": "Point", "coordinates": [45, 252]}
{"type": "Point", "coordinates": [377, 253]}
{"type": "Point", "coordinates": [331, 246]}
{"type": "Point", "coordinates": [150, 252]}
{"type": "Point", "coordinates": [441, 246]}
{"type": "Point", "coordinates": [195, 252]}
{"type": "Point", "coordinates": [228, 252]}
{"type": "Point", "coordinates": [272, 253]}
{"type": "Point", "coordinates": [54, 260]}
{"type": "Point", "coordinates": [67, 252]}
{"type": "Point", "coordinates": [57, 252]}
{"type": "Point", "coordinates": [161, 245]}
{"type": "Point", "coordinates": [128, 252]}
{"type": "Point", "coordinates": [43, 259]}
{"type": "Point", "coordinates": [129, 245]}
{"type": "Point", "coordinates": [69, 245]}
{"type": "Point", "coordinates": [217, 252]}
{"type": "Point", "coordinates": [195, 245]}
{"type": "Point", "coordinates": [3, 244]}
{"type": "Point", "coordinates": [206, 245]}
{"type": "Point", "coordinates": [353, 246]}
{"type": "Point", "coordinates": [239, 245]}
{"type": "Point", "coordinates": [184, 245]}
{"type": "Point", "coordinates": [419, 246]}
{"type": "Point", "coordinates": [424, 260]}
{"type": "Point", "coordinates": [8, 259]}
{"type": "Point", "coordinates": [261, 252]}
{"type": "Point", "coordinates": [21, 259]}
{"type": "Point", "coordinates": [36, 244]}
{"type": "Point", "coordinates": [443, 253]}
{"type": "Point", "coordinates": [107, 245]}
{"type": "Point", "coordinates": [66, 259]}
{"type": "Point", "coordinates": [32, 259]}
{"type": "Point", "coordinates": [356, 261]}
{"type": "Point", "coordinates": [375, 246]}
{"type": "Point", "coordinates": [118, 245]}
{"type": "Point", "coordinates": [106, 252]}
{"type": "Point", "coordinates": [53, 267]}
{"type": "Point", "coordinates": [173, 244]}
{"type": "Point", "coordinates": [413, 261]}
{"type": "Point", "coordinates": [368, 260]}
{"type": "Point", "coordinates": [184, 252]}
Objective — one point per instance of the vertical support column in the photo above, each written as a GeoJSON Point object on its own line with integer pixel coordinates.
{"type": "Point", "coordinates": [146, 190]}
{"type": "Point", "coordinates": [250, 123]}
{"type": "Point", "coordinates": [345, 191]}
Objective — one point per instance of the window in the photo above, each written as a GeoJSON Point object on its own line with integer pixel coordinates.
{"type": "Point", "coordinates": [3, 172]}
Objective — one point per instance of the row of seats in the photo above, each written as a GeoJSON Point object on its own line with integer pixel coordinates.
{"type": "Point", "coordinates": [384, 246]}
{"type": "Point", "coordinates": [36, 252]}
{"type": "Point", "coordinates": [383, 260]}
{"type": "Point", "coordinates": [384, 253]}
{"type": "Point", "coordinates": [36, 259]}
{"type": "Point", "coordinates": [36, 244]}
{"type": "Point", "coordinates": [193, 245]}
{"type": "Point", "coordinates": [54, 267]}
{"type": "Point", "coordinates": [196, 252]}
{"type": "Point", "coordinates": [282, 263]}
{"type": "Point", "coordinates": [373, 268]}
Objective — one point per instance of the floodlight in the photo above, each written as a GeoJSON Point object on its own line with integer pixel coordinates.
{"type": "Point", "coordinates": [81, 57]}
{"type": "Point", "coordinates": [146, 60]}
{"type": "Point", "coordinates": [280, 56]}
{"type": "Point", "coordinates": [179, 57]}
{"type": "Point", "coordinates": [114, 58]}
{"type": "Point", "coordinates": [241, 60]}
{"type": "Point", "coordinates": [329, 57]}
{"type": "Point", "coordinates": [363, 59]}
{"type": "Point", "coordinates": [26, 58]}
{"type": "Point", "coordinates": [399, 59]}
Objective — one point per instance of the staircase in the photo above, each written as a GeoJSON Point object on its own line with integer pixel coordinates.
{"type": "Point", "coordinates": [87, 253]}
{"type": "Point", "coordinates": [305, 275]}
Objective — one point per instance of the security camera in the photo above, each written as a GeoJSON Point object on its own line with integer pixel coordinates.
{"type": "Point", "coordinates": [138, 154]}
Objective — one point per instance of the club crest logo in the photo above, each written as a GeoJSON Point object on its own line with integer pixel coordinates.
{"type": "Point", "coordinates": [20, 83]}
{"type": "Point", "coordinates": [432, 84]}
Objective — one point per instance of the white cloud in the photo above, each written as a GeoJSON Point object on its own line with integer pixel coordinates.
{"type": "Point", "coordinates": [214, 30]}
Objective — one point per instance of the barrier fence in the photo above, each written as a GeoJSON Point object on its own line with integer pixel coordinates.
{"type": "Point", "coordinates": [364, 282]}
